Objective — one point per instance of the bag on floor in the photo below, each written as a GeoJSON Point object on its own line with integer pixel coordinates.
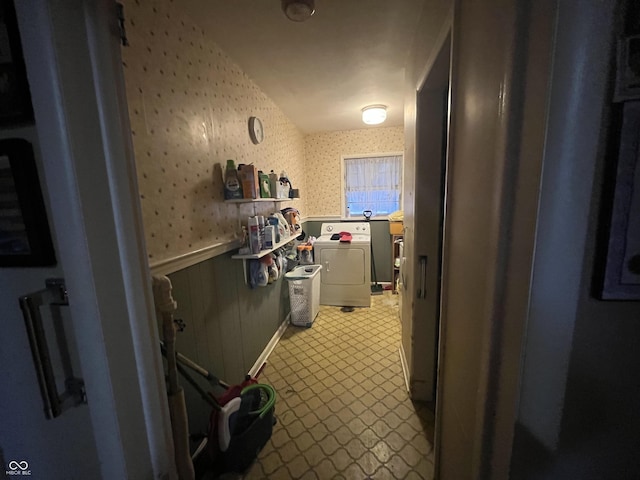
{"type": "Point", "coordinates": [240, 430]}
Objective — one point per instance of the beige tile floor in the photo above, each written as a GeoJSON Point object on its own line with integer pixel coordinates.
{"type": "Point", "coordinates": [343, 411]}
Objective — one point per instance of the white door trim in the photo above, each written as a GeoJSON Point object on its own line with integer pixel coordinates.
{"type": "Point", "coordinates": [81, 118]}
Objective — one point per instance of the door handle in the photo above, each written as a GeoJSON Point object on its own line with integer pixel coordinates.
{"type": "Point", "coordinates": [30, 305]}
{"type": "Point", "coordinates": [422, 286]}
{"type": "Point", "coordinates": [55, 293]}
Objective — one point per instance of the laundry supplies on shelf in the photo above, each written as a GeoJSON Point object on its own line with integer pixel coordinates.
{"type": "Point", "coordinates": [265, 185]}
{"type": "Point", "coordinates": [232, 186]}
{"type": "Point", "coordinates": [249, 179]}
{"type": "Point", "coordinates": [262, 239]}
{"type": "Point", "coordinates": [283, 186]}
{"type": "Point", "coordinates": [254, 235]}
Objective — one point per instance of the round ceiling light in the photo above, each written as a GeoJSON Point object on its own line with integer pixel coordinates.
{"type": "Point", "coordinates": [374, 114]}
{"type": "Point", "coordinates": [298, 10]}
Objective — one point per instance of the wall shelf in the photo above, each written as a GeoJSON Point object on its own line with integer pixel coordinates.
{"type": "Point", "coordinates": [238, 202]}
{"type": "Point", "coordinates": [256, 256]}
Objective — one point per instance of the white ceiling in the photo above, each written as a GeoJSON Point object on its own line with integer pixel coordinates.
{"type": "Point", "coordinates": [321, 72]}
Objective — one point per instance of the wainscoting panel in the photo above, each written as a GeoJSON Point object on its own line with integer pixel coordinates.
{"type": "Point", "coordinates": [189, 342]}
{"type": "Point", "coordinates": [228, 323]}
{"type": "Point", "coordinates": [225, 312]}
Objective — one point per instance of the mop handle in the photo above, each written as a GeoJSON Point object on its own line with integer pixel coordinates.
{"type": "Point", "coordinates": [187, 362]}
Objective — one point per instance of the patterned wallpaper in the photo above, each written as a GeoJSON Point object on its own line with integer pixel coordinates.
{"type": "Point", "coordinates": [323, 153]}
{"type": "Point", "coordinates": [189, 106]}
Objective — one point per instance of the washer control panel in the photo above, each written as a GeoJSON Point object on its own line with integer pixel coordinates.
{"type": "Point", "coordinates": [360, 228]}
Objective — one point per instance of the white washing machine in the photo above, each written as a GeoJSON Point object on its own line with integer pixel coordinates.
{"type": "Point", "coordinates": [345, 278]}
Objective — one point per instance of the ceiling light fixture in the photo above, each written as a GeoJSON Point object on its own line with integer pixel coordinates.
{"type": "Point", "coordinates": [374, 114]}
{"type": "Point", "coordinates": [298, 10]}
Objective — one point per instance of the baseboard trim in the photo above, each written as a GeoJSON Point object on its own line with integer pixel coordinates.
{"type": "Point", "coordinates": [405, 368]}
{"type": "Point", "coordinates": [270, 346]}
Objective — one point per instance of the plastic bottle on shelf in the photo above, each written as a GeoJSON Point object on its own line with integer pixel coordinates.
{"type": "Point", "coordinates": [269, 235]}
{"type": "Point", "coordinates": [232, 187]}
{"type": "Point", "coordinates": [274, 221]}
{"type": "Point", "coordinates": [265, 184]}
{"type": "Point", "coordinates": [254, 234]}
{"type": "Point", "coordinates": [273, 184]}
{"type": "Point", "coordinates": [261, 231]}
{"type": "Point", "coordinates": [285, 185]}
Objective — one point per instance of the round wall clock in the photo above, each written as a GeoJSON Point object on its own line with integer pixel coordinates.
{"type": "Point", "coordinates": [256, 130]}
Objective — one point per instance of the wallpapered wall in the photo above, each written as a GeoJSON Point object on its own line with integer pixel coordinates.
{"type": "Point", "coordinates": [323, 153]}
{"type": "Point", "coordinates": [189, 106]}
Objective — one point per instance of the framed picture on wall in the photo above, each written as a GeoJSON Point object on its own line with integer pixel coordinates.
{"type": "Point", "coordinates": [25, 239]}
{"type": "Point", "coordinates": [15, 99]}
{"type": "Point", "coordinates": [620, 228]}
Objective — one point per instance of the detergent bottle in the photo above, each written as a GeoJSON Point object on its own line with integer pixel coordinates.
{"type": "Point", "coordinates": [285, 185]}
{"type": "Point", "coordinates": [232, 187]}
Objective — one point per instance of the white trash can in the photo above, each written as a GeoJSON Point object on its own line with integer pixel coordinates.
{"type": "Point", "coordinates": [304, 294]}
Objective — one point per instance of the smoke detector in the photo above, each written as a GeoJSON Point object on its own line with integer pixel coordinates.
{"type": "Point", "coordinates": [298, 10]}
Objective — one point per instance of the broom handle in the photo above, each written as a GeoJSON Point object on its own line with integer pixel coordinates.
{"type": "Point", "coordinates": [367, 215]}
{"type": "Point", "coordinates": [170, 341]}
{"type": "Point", "coordinates": [166, 306]}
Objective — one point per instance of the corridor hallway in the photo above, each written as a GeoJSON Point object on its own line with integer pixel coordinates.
{"type": "Point", "coordinates": [342, 408]}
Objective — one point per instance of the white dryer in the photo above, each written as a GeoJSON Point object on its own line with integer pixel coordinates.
{"type": "Point", "coordinates": [345, 278]}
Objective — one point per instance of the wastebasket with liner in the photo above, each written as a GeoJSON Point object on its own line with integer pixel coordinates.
{"type": "Point", "coordinates": [304, 294]}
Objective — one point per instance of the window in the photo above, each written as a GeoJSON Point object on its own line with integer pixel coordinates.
{"type": "Point", "coordinates": [372, 183]}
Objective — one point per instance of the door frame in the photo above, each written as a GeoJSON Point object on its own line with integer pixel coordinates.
{"type": "Point", "coordinates": [75, 73]}
{"type": "Point", "coordinates": [474, 435]}
{"type": "Point", "coordinates": [445, 35]}
{"type": "Point", "coordinates": [431, 160]}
